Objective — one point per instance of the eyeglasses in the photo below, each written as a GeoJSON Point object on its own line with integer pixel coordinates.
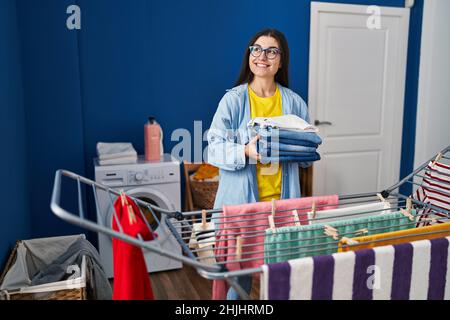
{"type": "Point", "coordinates": [271, 53]}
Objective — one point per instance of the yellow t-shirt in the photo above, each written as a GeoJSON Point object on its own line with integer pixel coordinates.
{"type": "Point", "coordinates": [268, 176]}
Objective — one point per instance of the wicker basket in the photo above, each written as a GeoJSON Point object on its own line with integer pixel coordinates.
{"type": "Point", "coordinates": [46, 291]}
{"type": "Point", "coordinates": [204, 193]}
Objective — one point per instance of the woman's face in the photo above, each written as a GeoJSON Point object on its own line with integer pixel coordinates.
{"type": "Point", "coordinates": [262, 66]}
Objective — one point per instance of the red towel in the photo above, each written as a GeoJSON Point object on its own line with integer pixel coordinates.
{"type": "Point", "coordinates": [131, 279]}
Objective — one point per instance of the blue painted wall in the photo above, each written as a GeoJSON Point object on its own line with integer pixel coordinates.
{"type": "Point", "coordinates": [14, 189]}
{"type": "Point", "coordinates": [52, 99]}
{"type": "Point", "coordinates": [135, 58]}
{"type": "Point", "coordinates": [411, 95]}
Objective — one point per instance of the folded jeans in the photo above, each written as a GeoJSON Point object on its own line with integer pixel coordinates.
{"type": "Point", "coordinates": [277, 135]}
{"type": "Point", "coordinates": [280, 159]}
{"type": "Point", "coordinates": [280, 146]}
{"type": "Point", "coordinates": [279, 153]}
{"type": "Point", "coordinates": [292, 142]}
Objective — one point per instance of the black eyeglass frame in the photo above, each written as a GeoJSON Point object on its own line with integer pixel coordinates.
{"type": "Point", "coordinates": [278, 51]}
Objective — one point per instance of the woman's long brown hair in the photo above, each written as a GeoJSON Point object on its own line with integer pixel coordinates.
{"type": "Point", "coordinates": [282, 76]}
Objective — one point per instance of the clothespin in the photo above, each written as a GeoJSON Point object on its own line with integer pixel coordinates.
{"type": "Point", "coordinates": [272, 224]}
{"type": "Point", "coordinates": [382, 199]}
{"type": "Point", "coordinates": [203, 219]}
{"type": "Point", "coordinates": [130, 212]}
{"type": "Point", "coordinates": [349, 241]}
{"type": "Point", "coordinates": [296, 218]}
{"type": "Point", "coordinates": [313, 210]}
{"type": "Point", "coordinates": [238, 247]}
{"type": "Point", "coordinates": [131, 216]}
{"type": "Point", "coordinates": [361, 232]}
{"type": "Point", "coordinates": [271, 218]}
{"type": "Point", "coordinates": [431, 220]}
{"type": "Point", "coordinates": [123, 198]}
{"type": "Point", "coordinates": [407, 214]}
{"type": "Point", "coordinates": [438, 158]}
{"type": "Point", "coordinates": [409, 205]}
{"type": "Point", "coordinates": [332, 232]}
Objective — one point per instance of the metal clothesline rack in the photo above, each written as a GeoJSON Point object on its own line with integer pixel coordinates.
{"type": "Point", "coordinates": [180, 224]}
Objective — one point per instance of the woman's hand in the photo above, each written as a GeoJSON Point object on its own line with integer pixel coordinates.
{"type": "Point", "coordinates": [250, 149]}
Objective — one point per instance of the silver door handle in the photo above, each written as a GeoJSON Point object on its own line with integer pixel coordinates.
{"type": "Point", "coordinates": [322, 123]}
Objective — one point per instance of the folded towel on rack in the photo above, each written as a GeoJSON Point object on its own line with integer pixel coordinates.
{"type": "Point", "coordinates": [398, 237]}
{"type": "Point", "coordinates": [310, 240]}
{"type": "Point", "coordinates": [202, 240]}
{"type": "Point", "coordinates": [364, 210]}
{"type": "Point", "coordinates": [435, 190]}
{"type": "Point", "coordinates": [288, 121]}
{"type": "Point", "coordinates": [241, 219]}
{"type": "Point", "coordinates": [416, 271]}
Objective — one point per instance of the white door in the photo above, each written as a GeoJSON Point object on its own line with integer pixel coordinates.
{"type": "Point", "coordinates": [356, 96]}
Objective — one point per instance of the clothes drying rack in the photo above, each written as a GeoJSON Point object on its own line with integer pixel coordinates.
{"type": "Point", "coordinates": [180, 224]}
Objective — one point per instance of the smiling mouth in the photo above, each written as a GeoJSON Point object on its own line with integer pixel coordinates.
{"type": "Point", "coordinates": [262, 65]}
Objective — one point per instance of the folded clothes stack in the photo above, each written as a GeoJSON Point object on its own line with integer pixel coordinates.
{"type": "Point", "coordinates": [286, 139]}
{"type": "Point", "coordinates": [116, 153]}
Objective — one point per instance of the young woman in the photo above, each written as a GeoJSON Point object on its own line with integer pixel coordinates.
{"type": "Point", "coordinates": [261, 91]}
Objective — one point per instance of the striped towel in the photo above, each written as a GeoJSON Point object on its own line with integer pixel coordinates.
{"type": "Point", "coordinates": [203, 239]}
{"type": "Point", "coordinates": [310, 240]}
{"type": "Point", "coordinates": [411, 271]}
{"type": "Point", "coordinates": [435, 190]}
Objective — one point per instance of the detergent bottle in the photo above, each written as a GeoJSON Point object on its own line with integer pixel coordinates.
{"type": "Point", "coordinates": [152, 140]}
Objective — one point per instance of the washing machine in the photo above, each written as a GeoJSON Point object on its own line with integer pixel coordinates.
{"type": "Point", "coordinates": [156, 182]}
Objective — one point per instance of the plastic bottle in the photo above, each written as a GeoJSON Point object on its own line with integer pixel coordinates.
{"type": "Point", "coordinates": [152, 140]}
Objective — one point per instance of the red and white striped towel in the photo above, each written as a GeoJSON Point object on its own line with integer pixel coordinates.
{"type": "Point", "coordinates": [435, 190]}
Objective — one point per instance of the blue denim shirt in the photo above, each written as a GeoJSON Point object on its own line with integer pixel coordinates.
{"type": "Point", "coordinates": [227, 138]}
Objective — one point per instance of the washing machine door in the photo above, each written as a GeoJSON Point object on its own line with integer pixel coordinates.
{"type": "Point", "coordinates": [155, 219]}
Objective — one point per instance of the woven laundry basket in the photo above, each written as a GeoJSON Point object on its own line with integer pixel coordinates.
{"type": "Point", "coordinates": [204, 183]}
{"type": "Point", "coordinates": [72, 289]}
{"type": "Point", "coordinates": [204, 193]}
